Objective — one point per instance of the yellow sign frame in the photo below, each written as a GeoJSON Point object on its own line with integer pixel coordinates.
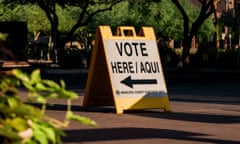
{"type": "Point", "coordinates": [100, 89]}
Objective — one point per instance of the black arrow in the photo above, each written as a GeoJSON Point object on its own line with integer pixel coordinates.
{"type": "Point", "coordinates": [130, 82]}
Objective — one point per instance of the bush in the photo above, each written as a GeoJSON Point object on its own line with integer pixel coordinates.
{"type": "Point", "coordinates": [168, 57]}
{"type": "Point", "coordinates": [72, 58]}
{"type": "Point", "coordinates": [24, 123]}
{"type": "Point", "coordinates": [227, 59]}
{"type": "Point", "coordinates": [206, 56]}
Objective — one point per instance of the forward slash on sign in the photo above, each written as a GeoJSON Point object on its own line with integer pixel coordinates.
{"type": "Point", "coordinates": [130, 82]}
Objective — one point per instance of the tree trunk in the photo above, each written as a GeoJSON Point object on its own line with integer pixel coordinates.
{"type": "Point", "coordinates": [207, 9]}
{"type": "Point", "coordinates": [186, 50]}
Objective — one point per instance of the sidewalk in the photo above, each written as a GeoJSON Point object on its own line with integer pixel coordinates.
{"type": "Point", "coordinates": [203, 112]}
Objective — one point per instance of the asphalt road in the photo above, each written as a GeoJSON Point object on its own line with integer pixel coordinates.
{"type": "Point", "coordinates": [202, 112]}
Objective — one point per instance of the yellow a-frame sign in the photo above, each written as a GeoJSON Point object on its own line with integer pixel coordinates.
{"type": "Point", "coordinates": [126, 71]}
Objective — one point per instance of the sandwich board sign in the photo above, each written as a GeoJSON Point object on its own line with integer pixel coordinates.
{"type": "Point", "coordinates": [125, 71]}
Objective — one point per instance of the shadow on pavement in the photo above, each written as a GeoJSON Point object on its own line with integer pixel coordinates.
{"type": "Point", "coordinates": [205, 118]}
{"type": "Point", "coordinates": [114, 134]}
{"type": "Point", "coordinates": [77, 108]}
{"type": "Point", "coordinates": [208, 100]}
{"type": "Point", "coordinates": [156, 113]}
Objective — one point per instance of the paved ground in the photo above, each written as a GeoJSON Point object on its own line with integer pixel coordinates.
{"type": "Point", "coordinates": [202, 113]}
{"type": "Point", "coordinates": [205, 110]}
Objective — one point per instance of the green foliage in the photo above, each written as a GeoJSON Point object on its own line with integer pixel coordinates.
{"type": "Point", "coordinates": [162, 15]}
{"type": "Point", "coordinates": [25, 123]}
{"type": "Point", "coordinates": [43, 89]}
{"type": "Point", "coordinates": [32, 14]}
{"type": "Point", "coordinates": [68, 16]}
{"type": "Point", "coordinates": [3, 36]}
{"type": "Point", "coordinates": [114, 18]}
{"type": "Point", "coordinates": [36, 18]}
{"type": "Point", "coordinates": [170, 21]}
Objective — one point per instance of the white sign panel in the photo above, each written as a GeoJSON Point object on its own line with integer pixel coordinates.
{"type": "Point", "coordinates": [135, 68]}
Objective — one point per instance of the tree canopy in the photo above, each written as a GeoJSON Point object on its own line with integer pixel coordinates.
{"type": "Point", "coordinates": [191, 28]}
{"type": "Point", "coordinates": [59, 16]}
{"type": "Point", "coordinates": [162, 15]}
